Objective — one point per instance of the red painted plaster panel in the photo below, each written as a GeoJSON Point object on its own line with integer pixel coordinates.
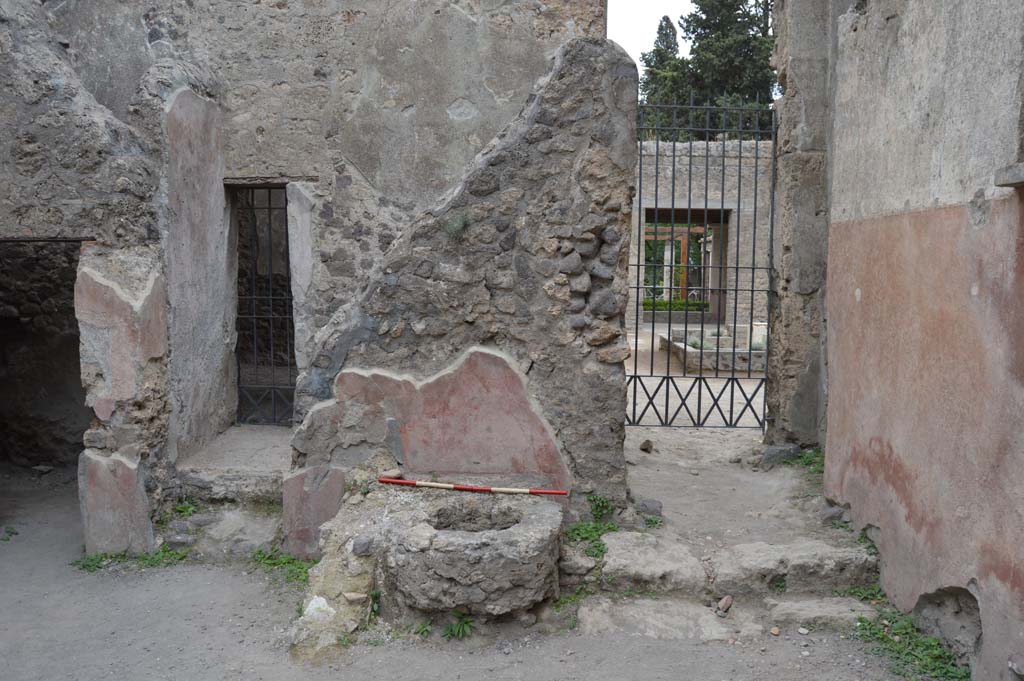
{"type": "Point", "coordinates": [475, 418]}
{"type": "Point", "coordinates": [125, 329]}
{"type": "Point", "coordinates": [926, 401]}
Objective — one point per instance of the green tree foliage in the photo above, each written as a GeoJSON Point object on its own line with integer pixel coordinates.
{"type": "Point", "coordinates": [730, 49]}
{"type": "Point", "coordinates": [730, 42]}
{"type": "Point", "coordinates": [664, 70]}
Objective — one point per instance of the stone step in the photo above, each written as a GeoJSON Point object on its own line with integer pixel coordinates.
{"type": "Point", "coordinates": [216, 484]}
{"type": "Point", "coordinates": [683, 619]}
{"type": "Point", "coordinates": [643, 561]}
{"type": "Point", "coordinates": [665, 619]}
{"type": "Point", "coordinates": [648, 561]}
{"type": "Point", "coordinates": [835, 613]}
{"type": "Point", "coordinates": [809, 566]}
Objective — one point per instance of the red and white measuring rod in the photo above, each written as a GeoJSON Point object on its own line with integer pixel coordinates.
{"type": "Point", "coordinates": [474, 488]}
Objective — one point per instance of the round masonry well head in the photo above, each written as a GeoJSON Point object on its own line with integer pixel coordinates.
{"type": "Point", "coordinates": [484, 554]}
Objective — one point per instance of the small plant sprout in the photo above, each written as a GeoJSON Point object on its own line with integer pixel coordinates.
{"type": "Point", "coordinates": [461, 628]}
{"type": "Point", "coordinates": [374, 606]}
{"type": "Point", "coordinates": [911, 653]}
{"type": "Point", "coordinates": [96, 561]}
{"type": "Point", "coordinates": [185, 509]}
{"type": "Point", "coordinates": [652, 521]}
{"type": "Point", "coordinates": [591, 533]}
{"type": "Point", "coordinates": [8, 533]}
{"type": "Point", "coordinates": [424, 629]}
{"type": "Point", "coordinates": [294, 569]}
{"type": "Point", "coordinates": [162, 557]}
{"type": "Point", "coordinates": [600, 507]}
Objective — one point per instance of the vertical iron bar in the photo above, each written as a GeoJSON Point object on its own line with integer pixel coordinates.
{"type": "Point", "coordinates": [641, 207]}
{"type": "Point", "coordinates": [253, 260]}
{"type": "Point", "coordinates": [736, 274]}
{"type": "Point", "coordinates": [289, 322]}
{"type": "Point", "coordinates": [703, 330]}
{"type": "Point", "coordinates": [660, 270]}
{"type": "Point", "coordinates": [670, 345]}
{"type": "Point", "coordinates": [771, 266]}
{"type": "Point", "coordinates": [689, 237]}
{"type": "Point", "coordinates": [270, 299]}
{"type": "Point", "coordinates": [753, 239]}
{"type": "Point", "coordinates": [722, 262]}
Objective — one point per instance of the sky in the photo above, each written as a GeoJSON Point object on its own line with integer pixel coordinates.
{"type": "Point", "coordinates": [634, 23]}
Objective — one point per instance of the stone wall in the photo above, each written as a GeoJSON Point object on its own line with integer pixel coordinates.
{"type": "Point", "coordinates": [43, 407]}
{"type": "Point", "coordinates": [371, 115]}
{"type": "Point", "coordinates": [796, 390]}
{"type": "Point", "coordinates": [925, 308]}
{"type": "Point", "coordinates": [523, 261]}
{"type": "Point", "coordinates": [375, 108]}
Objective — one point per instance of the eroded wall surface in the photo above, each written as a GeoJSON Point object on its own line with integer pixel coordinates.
{"type": "Point", "coordinates": [376, 107]}
{"type": "Point", "coordinates": [526, 256]}
{"type": "Point", "coordinates": [796, 391]}
{"type": "Point", "coordinates": [127, 117]}
{"type": "Point", "coordinates": [926, 304]}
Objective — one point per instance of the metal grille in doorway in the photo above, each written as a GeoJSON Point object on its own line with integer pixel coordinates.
{"type": "Point", "coordinates": [265, 352]}
{"type": "Point", "coordinates": [700, 266]}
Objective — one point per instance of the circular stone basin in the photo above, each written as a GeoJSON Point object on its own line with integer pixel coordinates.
{"type": "Point", "coordinates": [485, 554]}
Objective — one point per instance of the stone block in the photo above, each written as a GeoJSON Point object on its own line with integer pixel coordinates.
{"type": "Point", "coordinates": [642, 560]}
{"type": "Point", "coordinates": [485, 554]}
{"type": "Point", "coordinates": [115, 509]}
{"type": "Point", "coordinates": [312, 496]}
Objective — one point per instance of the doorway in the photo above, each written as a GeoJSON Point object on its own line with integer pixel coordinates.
{"type": "Point", "coordinates": [265, 350]}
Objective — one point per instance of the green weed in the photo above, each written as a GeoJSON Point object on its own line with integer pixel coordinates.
{"type": "Point", "coordinates": [596, 549]}
{"type": "Point", "coordinates": [811, 460]}
{"type": "Point", "coordinates": [424, 629]}
{"type": "Point", "coordinates": [869, 594]}
{"type": "Point", "coordinates": [578, 532]}
{"type": "Point", "coordinates": [911, 653]}
{"type": "Point", "coordinates": [864, 540]}
{"type": "Point", "coordinates": [461, 628]}
{"type": "Point", "coordinates": [294, 569]}
{"type": "Point", "coordinates": [600, 507]}
{"type": "Point", "coordinates": [8, 533]}
{"type": "Point", "coordinates": [162, 557]}
{"type": "Point", "coordinates": [566, 600]}
{"type": "Point", "coordinates": [777, 584]}
{"type": "Point", "coordinates": [185, 509]}
{"type": "Point", "coordinates": [96, 561]}
{"type": "Point", "coordinates": [374, 606]}
{"type": "Point", "coordinates": [591, 533]}
{"type": "Point", "coordinates": [652, 521]}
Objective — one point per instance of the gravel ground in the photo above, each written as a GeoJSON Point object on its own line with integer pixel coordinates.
{"type": "Point", "coordinates": [204, 623]}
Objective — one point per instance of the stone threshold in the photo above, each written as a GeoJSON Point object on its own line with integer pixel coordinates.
{"type": "Point", "coordinates": [244, 463]}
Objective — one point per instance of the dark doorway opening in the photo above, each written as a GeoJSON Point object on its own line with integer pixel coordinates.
{"type": "Point", "coordinates": [265, 349]}
{"type": "Point", "coordinates": [43, 416]}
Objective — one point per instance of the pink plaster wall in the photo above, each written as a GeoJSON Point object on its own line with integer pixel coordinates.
{"type": "Point", "coordinates": [476, 418]}
{"type": "Point", "coordinates": [926, 404]}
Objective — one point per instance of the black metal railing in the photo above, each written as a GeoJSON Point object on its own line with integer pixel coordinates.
{"type": "Point", "coordinates": [265, 352]}
{"type": "Point", "coordinates": [700, 266]}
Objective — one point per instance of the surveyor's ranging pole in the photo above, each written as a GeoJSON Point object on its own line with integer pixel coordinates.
{"type": "Point", "coordinates": [474, 488]}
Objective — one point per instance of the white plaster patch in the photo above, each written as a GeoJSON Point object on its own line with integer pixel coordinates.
{"type": "Point", "coordinates": [857, 294]}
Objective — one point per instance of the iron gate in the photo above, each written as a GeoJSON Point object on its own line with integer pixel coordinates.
{"type": "Point", "coordinates": [265, 353]}
{"type": "Point", "coordinates": [700, 266]}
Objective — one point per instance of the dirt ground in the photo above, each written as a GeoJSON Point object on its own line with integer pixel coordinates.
{"type": "Point", "coordinates": [204, 623]}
